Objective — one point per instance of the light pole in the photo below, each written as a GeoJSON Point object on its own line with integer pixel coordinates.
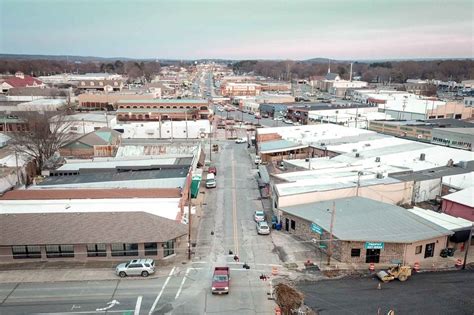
{"type": "Point", "coordinates": [333, 217]}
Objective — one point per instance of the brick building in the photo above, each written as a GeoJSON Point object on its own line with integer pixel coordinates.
{"type": "Point", "coordinates": [160, 110]}
{"type": "Point", "coordinates": [103, 142]}
{"type": "Point", "coordinates": [365, 231]}
{"type": "Point", "coordinates": [100, 85]}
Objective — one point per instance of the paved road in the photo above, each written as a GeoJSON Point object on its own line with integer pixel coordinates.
{"type": "Point", "coordinates": [186, 289]}
{"type": "Point", "coordinates": [237, 115]}
{"type": "Point", "coordinates": [427, 293]}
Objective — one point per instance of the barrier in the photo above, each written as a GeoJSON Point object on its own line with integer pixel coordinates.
{"type": "Point", "coordinates": [416, 267]}
{"type": "Point", "coordinates": [458, 263]}
{"type": "Point", "coordinates": [274, 271]}
{"type": "Point", "coordinates": [371, 267]}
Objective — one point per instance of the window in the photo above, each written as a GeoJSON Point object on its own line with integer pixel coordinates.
{"type": "Point", "coordinates": [355, 252]}
{"type": "Point", "coordinates": [96, 250]}
{"type": "Point", "coordinates": [26, 251]}
{"type": "Point", "coordinates": [168, 248]}
{"type": "Point", "coordinates": [293, 224]}
{"type": "Point", "coordinates": [151, 249]}
{"type": "Point", "coordinates": [56, 251]}
{"type": "Point", "coordinates": [418, 249]}
{"type": "Point", "coordinates": [122, 249]}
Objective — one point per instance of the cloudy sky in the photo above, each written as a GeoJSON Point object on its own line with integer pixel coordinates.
{"type": "Point", "coordinates": [238, 29]}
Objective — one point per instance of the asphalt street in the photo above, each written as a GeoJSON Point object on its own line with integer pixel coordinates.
{"type": "Point", "coordinates": [228, 213]}
{"type": "Point", "coordinates": [424, 293]}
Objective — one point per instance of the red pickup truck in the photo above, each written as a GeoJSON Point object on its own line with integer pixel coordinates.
{"type": "Point", "coordinates": [221, 280]}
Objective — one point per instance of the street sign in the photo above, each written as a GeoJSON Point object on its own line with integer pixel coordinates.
{"type": "Point", "coordinates": [316, 228]}
{"type": "Point", "coordinates": [374, 245]}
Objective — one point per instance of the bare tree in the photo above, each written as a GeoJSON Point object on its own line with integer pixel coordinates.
{"type": "Point", "coordinates": [44, 134]}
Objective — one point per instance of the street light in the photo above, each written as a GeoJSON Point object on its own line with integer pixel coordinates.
{"type": "Point", "coordinates": [333, 217]}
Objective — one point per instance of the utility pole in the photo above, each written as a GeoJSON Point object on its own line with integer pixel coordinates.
{"type": "Point", "coordinates": [189, 214]}
{"type": "Point", "coordinates": [333, 216]}
{"type": "Point", "coordinates": [358, 183]}
{"type": "Point", "coordinates": [467, 249]}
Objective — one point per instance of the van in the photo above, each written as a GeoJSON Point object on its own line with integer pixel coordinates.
{"type": "Point", "coordinates": [211, 181]}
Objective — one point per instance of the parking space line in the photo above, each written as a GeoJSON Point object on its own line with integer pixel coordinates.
{"type": "Point", "coordinates": [161, 292]}
{"type": "Point", "coordinates": [182, 283]}
{"type": "Point", "coordinates": [138, 306]}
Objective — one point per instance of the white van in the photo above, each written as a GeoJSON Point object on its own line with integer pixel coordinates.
{"type": "Point", "coordinates": [211, 181]}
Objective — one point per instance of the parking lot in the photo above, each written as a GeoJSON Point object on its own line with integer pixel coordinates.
{"type": "Point", "coordinates": [424, 293]}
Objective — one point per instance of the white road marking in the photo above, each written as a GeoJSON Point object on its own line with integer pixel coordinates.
{"type": "Point", "coordinates": [161, 292]}
{"type": "Point", "coordinates": [182, 283]}
{"type": "Point", "coordinates": [138, 306]}
{"type": "Point", "coordinates": [88, 312]}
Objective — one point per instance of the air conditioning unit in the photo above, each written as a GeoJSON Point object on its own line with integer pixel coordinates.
{"type": "Point", "coordinates": [377, 159]}
{"type": "Point", "coordinates": [379, 175]}
{"type": "Point", "coordinates": [422, 157]}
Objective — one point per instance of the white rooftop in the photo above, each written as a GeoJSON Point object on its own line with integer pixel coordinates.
{"type": "Point", "coordinates": [464, 197]}
{"type": "Point", "coordinates": [442, 219]}
{"type": "Point", "coordinates": [163, 207]}
{"type": "Point", "coordinates": [74, 165]}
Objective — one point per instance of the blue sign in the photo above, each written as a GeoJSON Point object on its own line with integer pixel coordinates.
{"type": "Point", "coordinates": [374, 245]}
{"type": "Point", "coordinates": [316, 228]}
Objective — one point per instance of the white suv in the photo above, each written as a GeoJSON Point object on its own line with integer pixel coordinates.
{"type": "Point", "coordinates": [136, 267]}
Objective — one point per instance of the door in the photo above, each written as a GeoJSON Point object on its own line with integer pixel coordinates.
{"type": "Point", "coordinates": [372, 256]}
{"type": "Point", "coordinates": [287, 224]}
{"type": "Point", "coordinates": [134, 269]}
{"type": "Point", "coordinates": [429, 250]}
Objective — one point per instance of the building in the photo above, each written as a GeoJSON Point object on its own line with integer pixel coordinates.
{"type": "Point", "coordinates": [460, 204]}
{"type": "Point", "coordinates": [421, 130]}
{"type": "Point", "coordinates": [161, 110]}
{"type": "Point", "coordinates": [43, 105]}
{"type": "Point", "coordinates": [365, 231]}
{"type": "Point", "coordinates": [460, 227]}
{"type": "Point", "coordinates": [276, 86]}
{"type": "Point", "coordinates": [19, 80]}
{"type": "Point", "coordinates": [108, 101]}
{"type": "Point", "coordinates": [460, 138]}
{"type": "Point", "coordinates": [232, 89]}
{"type": "Point", "coordinates": [83, 123]}
{"type": "Point", "coordinates": [100, 85]}
{"type": "Point", "coordinates": [12, 123]}
{"type": "Point", "coordinates": [279, 150]}
{"type": "Point", "coordinates": [102, 142]}
{"type": "Point", "coordinates": [454, 110]}
{"type": "Point", "coordinates": [74, 79]}
{"type": "Point", "coordinates": [89, 236]}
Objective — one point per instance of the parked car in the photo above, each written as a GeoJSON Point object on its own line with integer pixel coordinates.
{"type": "Point", "coordinates": [136, 267]}
{"type": "Point", "coordinates": [265, 115]}
{"type": "Point", "coordinates": [211, 181]}
{"type": "Point", "coordinates": [259, 215]}
{"type": "Point", "coordinates": [240, 140]}
{"type": "Point", "coordinates": [258, 160]}
{"type": "Point", "coordinates": [278, 118]}
{"type": "Point", "coordinates": [263, 228]}
{"type": "Point", "coordinates": [212, 170]}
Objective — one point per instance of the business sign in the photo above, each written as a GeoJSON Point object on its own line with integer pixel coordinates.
{"type": "Point", "coordinates": [374, 245]}
{"type": "Point", "coordinates": [316, 228]}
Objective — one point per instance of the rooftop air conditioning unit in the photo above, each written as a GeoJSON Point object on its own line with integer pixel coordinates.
{"type": "Point", "coordinates": [422, 157]}
{"type": "Point", "coordinates": [357, 155]}
{"type": "Point", "coordinates": [379, 175]}
{"type": "Point", "coordinates": [377, 159]}
{"type": "Point", "coordinates": [354, 150]}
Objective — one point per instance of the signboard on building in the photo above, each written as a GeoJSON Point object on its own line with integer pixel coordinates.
{"type": "Point", "coordinates": [374, 245]}
{"type": "Point", "coordinates": [316, 228]}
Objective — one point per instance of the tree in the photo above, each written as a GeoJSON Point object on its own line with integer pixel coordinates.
{"type": "Point", "coordinates": [44, 135]}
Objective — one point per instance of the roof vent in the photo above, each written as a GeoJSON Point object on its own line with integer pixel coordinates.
{"type": "Point", "coordinates": [357, 155]}
{"type": "Point", "coordinates": [379, 175]}
{"type": "Point", "coordinates": [450, 163]}
{"type": "Point", "coordinates": [354, 150]}
{"type": "Point", "coordinates": [377, 159]}
{"type": "Point", "coordinates": [422, 157]}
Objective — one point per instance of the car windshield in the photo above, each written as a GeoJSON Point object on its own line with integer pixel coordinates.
{"type": "Point", "coordinates": [127, 264]}
{"type": "Point", "coordinates": [264, 227]}
{"type": "Point", "coordinates": [220, 278]}
{"type": "Point", "coordinates": [259, 214]}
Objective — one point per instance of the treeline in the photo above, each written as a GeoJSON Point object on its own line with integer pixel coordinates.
{"type": "Point", "coordinates": [394, 71]}
{"type": "Point", "coordinates": [132, 69]}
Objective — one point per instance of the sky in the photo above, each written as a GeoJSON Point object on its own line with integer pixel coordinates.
{"type": "Point", "coordinates": [239, 29]}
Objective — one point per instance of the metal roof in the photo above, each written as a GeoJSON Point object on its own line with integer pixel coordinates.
{"type": "Point", "coordinates": [464, 197]}
{"type": "Point", "coordinates": [436, 172]}
{"type": "Point", "coordinates": [279, 145]}
{"type": "Point", "coordinates": [442, 219]}
{"type": "Point", "coordinates": [362, 219]}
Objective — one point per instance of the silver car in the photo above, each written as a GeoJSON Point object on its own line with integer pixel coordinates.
{"type": "Point", "coordinates": [263, 228]}
{"type": "Point", "coordinates": [136, 267]}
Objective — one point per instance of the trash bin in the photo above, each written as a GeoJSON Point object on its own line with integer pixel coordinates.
{"type": "Point", "coordinates": [278, 226]}
{"type": "Point", "coordinates": [450, 252]}
{"type": "Point", "coordinates": [444, 253]}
